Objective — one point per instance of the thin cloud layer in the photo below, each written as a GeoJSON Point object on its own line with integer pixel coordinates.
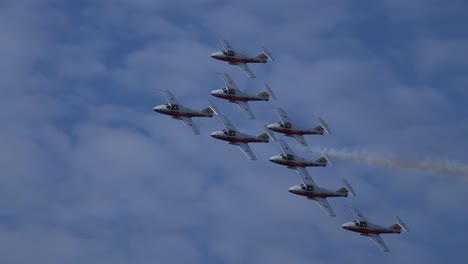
{"type": "Point", "coordinates": [91, 174]}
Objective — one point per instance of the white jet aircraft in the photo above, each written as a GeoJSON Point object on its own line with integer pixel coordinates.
{"type": "Point", "coordinates": [287, 128]}
{"type": "Point", "coordinates": [290, 160]}
{"type": "Point", "coordinates": [240, 60]}
{"type": "Point", "coordinates": [174, 109]}
{"type": "Point", "coordinates": [313, 192]}
{"type": "Point", "coordinates": [373, 231]}
{"type": "Point", "coordinates": [231, 93]}
{"type": "Point", "coordinates": [234, 137]}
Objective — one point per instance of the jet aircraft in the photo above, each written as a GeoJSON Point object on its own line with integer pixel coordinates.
{"type": "Point", "coordinates": [310, 190]}
{"type": "Point", "coordinates": [287, 127]}
{"type": "Point", "coordinates": [231, 93]}
{"type": "Point", "coordinates": [240, 60]}
{"type": "Point", "coordinates": [174, 109]}
{"type": "Point", "coordinates": [373, 231]}
{"type": "Point", "coordinates": [290, 160]}
{"type": "Point", "coordinates": [234, 137]}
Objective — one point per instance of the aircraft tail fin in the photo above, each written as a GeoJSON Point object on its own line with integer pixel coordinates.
{"type": "Point", "coordinates": [265, 55]}
{"type": "Point", "coordinates": [213, 107]}
{"type": "Point", "coordinates": [265, 96]}
{"type": "Point", "coordinates": [399, 225]}
{"type": "Point", "coordinates": [322, 128]}
{"type": "Point", "coordinates": [208, 111]}
{"type": "Point", "coordinates": [264, 137]}
{"type": "Point", "coordinates": [343, 191]}
{"type": "Point", "coordinates": [324, 161]}
{"type": "Point", "coordinates": [348, 187]}
{"type": "Point", "coordinates": [269, 91]}
{"type": "Point", "coordinates": [270, 134]}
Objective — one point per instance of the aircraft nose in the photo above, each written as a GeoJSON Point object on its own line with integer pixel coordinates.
{"type": "Point", "coordinates": [291, 190]}
{"type": "Point", "coordinates": [157, 109]}
{"type": "Point", "coordinates": [213, 55]}
{"type": "Point", "coordinates": [345, 226]}
{"type": "Point", "coordinates": [215, 93]}
{"type": "Point", "coordinates": [270, 126]}
{"type": "Point", "coordinates": [215, 134]}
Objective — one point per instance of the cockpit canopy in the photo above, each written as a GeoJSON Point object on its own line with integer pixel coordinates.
{"type": "Point", "coordinates": [287, 157]}
{"type": "Point", "coordinates": [229, 53]}
{"type": "Point", "coordinates": [229, 91]}
{"type": "Point", "coordinates": [360, 224]}
{"type": "Point", "coordinates": [230, 133]}
{"type": "Point", "coordinates": [172, 106]}
{"type": "Point", "coordinates": [307, 187]}
{"type": "Point", "coordinates": [285, 125]}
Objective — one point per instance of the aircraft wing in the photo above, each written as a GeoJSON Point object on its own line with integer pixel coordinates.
{"type": "Point", "coordinates": [226, 45]}
{"type": "Point", "coordinates": [301, 141]}
{"type": "Point", "coordinates": [227, 124]}
{"type": "Point", "coordinates": [244, 106]}
{"type": "Point", "coordinates": [323, 203]}
{"type": "Point", "coordinates": [229, 82]}
{"type": "Point", "coordinates": [306, 178]}
{"type": "Point", "coordinates": [285, 147]}
{"type": "Point", "coordinates": [358, 215]}
{"type": "Point", "coordinates": [170, 97]}
{"type": "Point", "coordinates": [245, 69]}
{"type": "Point", "coordinates": [378, 241]}
{"type": "Point", "coordinates": [189, 123]}
{"type": "Point", "coordinates": [282, 114]}
{"type": "Point", "coordinates": [246, 149]}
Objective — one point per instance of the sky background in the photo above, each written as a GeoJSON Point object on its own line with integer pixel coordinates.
{"type": "Point", "coordinates": [90, 174]}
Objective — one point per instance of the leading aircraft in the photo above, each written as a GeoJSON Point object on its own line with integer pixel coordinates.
{"type": "Point", "coordinates": [288, 128]}
{"type": "Point", "coordinates": [310, 190]}
{"type": "Point", "coordinates": [373, 231]}
{"type": "Point", "coordinates": [240, 60]}
{"type": "Point", "coordinates": [234, 137]}
{"type": "Point", "coordinates": [184, 114]}
{"type": "Point", "coordinates": [231, 93]}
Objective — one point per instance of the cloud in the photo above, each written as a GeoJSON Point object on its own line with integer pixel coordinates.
{"type": "Point", "coordinates": [90, 171]}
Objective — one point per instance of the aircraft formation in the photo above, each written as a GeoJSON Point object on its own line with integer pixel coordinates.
{"type": "Point", "coordinates": [285, 126]}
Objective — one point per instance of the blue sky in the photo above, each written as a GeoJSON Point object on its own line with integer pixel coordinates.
{"type": "Point", "coordinates": [89, 173]}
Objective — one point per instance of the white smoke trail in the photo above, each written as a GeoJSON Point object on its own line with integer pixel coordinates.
{"type": "Point", "coordinates": [437, 167]}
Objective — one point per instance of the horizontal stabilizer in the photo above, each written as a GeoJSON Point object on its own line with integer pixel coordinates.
{"type": "Point", "coordinates": [268, 54]}
{"type": "Point", "coordinates": [325, 160]}
{"type": "Point", "coordinates": [265, 96]}
{"type": "Point", "coordinates": [270, 134]}
{"type": "Point", "coordinates": [401, 224]}
{"type": "Point", "coordinates": [265, 137]}
{"type": "Point", "coordinates": [348, 187]}
{"type": "Point", "coordinates": [208, 111]}
{"type": "Point", "coordinates": [324, 125]}
{"type": "Point", "coordinates": [269, 91]}
{"type": "Point", "coordinates": [213, 107]}
{"type": "Point", "coordinates": [344, 191]}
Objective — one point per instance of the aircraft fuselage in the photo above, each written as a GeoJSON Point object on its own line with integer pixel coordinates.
{"type": "Point", "coordinates": [177, 111]}
{"type": "Point", "coordinates": [236, 58]}
{"type": "Point", "coordinates": [237, 97]}
{"type": "Point", "coordinates": [312, 192]}
{"type": "Point", "coordinates": [281, 128]}
{"type": "Point", "coordinates": [369, 228]}
{"type": "Point", "coordinates": [295, 162]}
{"type": "Point", "coordinates": [237, 137]}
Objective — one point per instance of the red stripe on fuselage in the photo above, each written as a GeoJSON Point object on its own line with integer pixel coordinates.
{"type": "Point", "coordinates": [235, 60]}
{"type": "Point", "coordinates": [178, 114]}
{"type": "Point", "coordinates": [289, 132]}
{"type": "Point", "coordinates": [292, 164]}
